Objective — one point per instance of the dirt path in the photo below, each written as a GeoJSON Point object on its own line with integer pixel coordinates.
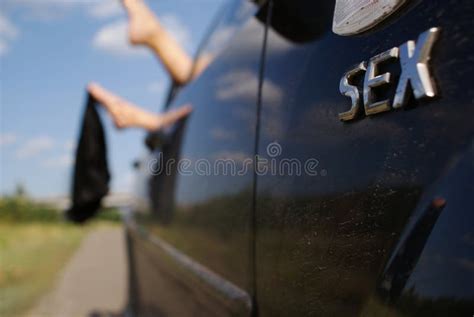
{"type": "Point", "coordinates": [93, 283]}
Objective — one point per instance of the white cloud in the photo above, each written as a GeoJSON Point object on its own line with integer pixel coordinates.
{"type": "Point", "coordinates": [123, 182]}
{"type": "Point", "coordinates": [62, 161]}
{"type": "Point", "coordinates": [113, 39]}
{"type": "Point", "coordinates": [7, 29]}
{"type": "Point", "coordinates": [247, 45]}
{"type": "Point", "coordinates": [70, 145]}
{"type": "Point", "coordinates": [272, 93]}
{"type": "Point", "coordinates": [35, 146]}
{"type": "Point", "coordinates": [106, 9]}
{"type": "Point", "coordinates": [244, 84]}
{"type": "Point", "coordinates": [7, 138]}
{"type": "Point", "coordinates": [3, 47]}
{"type": "Point", "coordinates": [156, 87]}
{"type": "Point", "coordinates": [8, 32]}
{"type": "Point", "coordinates": [237, 84]}
{"type": "Point", "coordinates": [219, 40]}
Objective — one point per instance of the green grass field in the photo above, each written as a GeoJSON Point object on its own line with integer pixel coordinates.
{"type": "Point", "coordinates": [31, 256]}
{"type": "Point", "coordinates": [35, 244]}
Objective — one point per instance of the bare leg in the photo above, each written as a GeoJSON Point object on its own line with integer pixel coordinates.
{"type": "Point", "coordinates": [125, 114]}
{"type": "Point", "coordinates": [145, 29]}
{"type": "Point", "coordinates": [201, 64]}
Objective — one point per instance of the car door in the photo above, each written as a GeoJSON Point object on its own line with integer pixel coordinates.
{"type": "Point", "coordinates": [345, 209]}
{"type": "Point", "coordinates": [191, 250]}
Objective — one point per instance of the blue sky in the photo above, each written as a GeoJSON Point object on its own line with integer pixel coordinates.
{"type": "Point", "coordinates": [49, 51]}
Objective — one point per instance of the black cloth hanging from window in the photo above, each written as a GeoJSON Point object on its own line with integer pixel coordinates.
{"type": "Point", "coordinates": [91, 173]}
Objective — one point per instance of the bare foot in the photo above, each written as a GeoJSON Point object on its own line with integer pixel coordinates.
{"type": "Point", "coordinates": [143, 23]}
{"type": "Point", "coordinates": [126, 114]}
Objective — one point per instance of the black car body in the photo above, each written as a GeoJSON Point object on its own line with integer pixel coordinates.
{"type": "Point", "coordinates": [382, 226]}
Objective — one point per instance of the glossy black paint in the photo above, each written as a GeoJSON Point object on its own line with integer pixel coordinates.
{"type": "Point", "coordinates": [384, 228]}
{"type": "Point", "coordinates": [323, 241]}
{"type": "Point", "coordinates": [204, 214]}
{"type": "Point", "coordinates": [430, 272]}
